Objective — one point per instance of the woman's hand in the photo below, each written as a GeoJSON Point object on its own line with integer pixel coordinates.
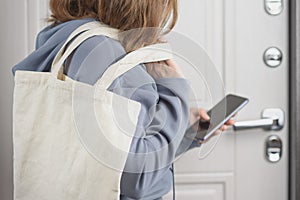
{"type": "Point", "coordinates": [164, 69]}
{"type": "Point", "coordinates": [201, 114]}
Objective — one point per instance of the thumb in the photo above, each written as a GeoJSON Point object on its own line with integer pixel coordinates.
{"type": "Point", "coordinates": [204, 115]}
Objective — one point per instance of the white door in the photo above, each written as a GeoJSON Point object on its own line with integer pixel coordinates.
{"type": "Point", "coordinates": [236, 34]}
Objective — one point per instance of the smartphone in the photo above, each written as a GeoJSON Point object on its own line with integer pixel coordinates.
{"type": "Point", "coordinates": [219, 114]}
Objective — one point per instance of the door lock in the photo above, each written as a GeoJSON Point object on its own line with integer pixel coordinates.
{"type": "Point", "coordinates": [273, 148]}
{"type": "Point", "coordinates": [273, 7]}
{"type": "Point", "coordinates": [273, 57]}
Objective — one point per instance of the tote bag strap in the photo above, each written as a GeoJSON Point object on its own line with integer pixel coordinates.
{"type": "Point", "coordinates": [151, 53]}
{"type": "Point", "coordinates": [87, 30]}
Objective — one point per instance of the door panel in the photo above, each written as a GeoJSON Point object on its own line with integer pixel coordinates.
{"type": "Point", "coordinates": [208, 186]}
{"type": "Point", "coordinates": [244, 31]}
{"type": "Point", "coordinates": [267, 88]}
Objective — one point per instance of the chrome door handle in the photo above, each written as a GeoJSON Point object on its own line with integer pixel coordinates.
{"type": "Point", "coordinates": [272, 119]}
{"type": "Point", "coordinates": [261, 123]}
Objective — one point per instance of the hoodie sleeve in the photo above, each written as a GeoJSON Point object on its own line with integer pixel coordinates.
{"type": "Point", "coordinates": [161, 127]}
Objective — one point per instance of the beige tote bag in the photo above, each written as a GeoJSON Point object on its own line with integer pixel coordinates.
{"type": "Point", "coordinates": [71, 139]}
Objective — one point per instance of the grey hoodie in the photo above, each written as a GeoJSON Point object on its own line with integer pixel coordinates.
{"type": "Point", "coordinates": [164, 113]}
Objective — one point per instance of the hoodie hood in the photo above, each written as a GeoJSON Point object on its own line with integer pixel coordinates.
{"type": "Point", "coordinates": [48, 43]}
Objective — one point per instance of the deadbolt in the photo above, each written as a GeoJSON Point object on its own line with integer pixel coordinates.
{"type": "Point", "coordinates": [273, 149]}
{"type": "Point", "coordinates": [273, 7]}
{"type": "Point", "coordinates": [273, 57]}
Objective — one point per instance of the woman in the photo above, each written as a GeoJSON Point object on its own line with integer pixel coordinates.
{"type": "Point", "coordinates": [159, 87]}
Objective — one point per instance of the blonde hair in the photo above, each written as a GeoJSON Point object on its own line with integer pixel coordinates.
{"type": "Point", "coordinates": [141, 22]}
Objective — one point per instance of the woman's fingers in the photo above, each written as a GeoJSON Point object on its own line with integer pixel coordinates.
{"type": "Point", "coordinates": [171, 64]}
{"type": "Point", "coordinates": [230, 122]}
{"type": "Point", "coordinates": [224, 128]}
{"type": "Point", "coordinates": [164, 69]}
{"type": "Point", "coordinates": [161, 70]}
{"type": "Point", "coordinates": [196, 114]}
{"type": "Point", "coordinates": [203, 115]}
{"type": "Point", "coordinates": [217, 132]}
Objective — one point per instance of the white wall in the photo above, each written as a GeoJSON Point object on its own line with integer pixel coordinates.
{"type": "Point", "coordinates": [12, 49]}
{"type": "Point", "coordinates": [19, 21]}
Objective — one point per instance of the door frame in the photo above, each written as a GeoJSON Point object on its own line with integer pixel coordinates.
{"type": "Point", "coordinates": [294, 100]}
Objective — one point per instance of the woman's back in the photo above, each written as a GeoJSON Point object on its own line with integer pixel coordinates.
{"type": "Point", "coordinates": [88, 63]}
{"type": "Point", "coordinates": [161, 91]}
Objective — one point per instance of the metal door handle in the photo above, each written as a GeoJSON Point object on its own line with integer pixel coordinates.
{"type": "Point", "coordinates": [261, 123]}
{"type": "Point", "coordinates": [272, 119]}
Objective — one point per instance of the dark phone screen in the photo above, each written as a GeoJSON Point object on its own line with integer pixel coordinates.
{"type": "Point", "coordinates": [219, 114]}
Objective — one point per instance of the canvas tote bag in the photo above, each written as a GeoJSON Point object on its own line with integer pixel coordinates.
{"type": "Point", "coordinates": [71, 139]}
